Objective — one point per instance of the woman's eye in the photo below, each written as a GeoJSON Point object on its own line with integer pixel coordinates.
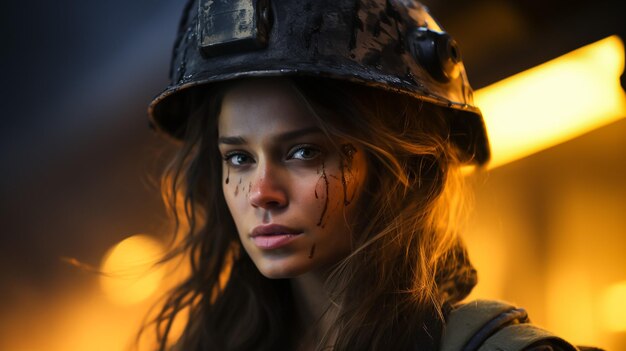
{"type": "Point", "coordinates": [305, 153]}
{"type": "Point", "coordinates": [238, 159]}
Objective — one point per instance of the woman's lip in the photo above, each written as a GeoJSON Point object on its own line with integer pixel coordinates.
{"type": "Point", "coordinates": [273, 236]}
{"type": "Point", "coordinates": [274, 241]}
{"type": "Point", "coordinates": [273, 230]}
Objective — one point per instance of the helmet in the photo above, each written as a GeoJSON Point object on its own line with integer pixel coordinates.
{"type": "Point", "coordinates": [393, 45]}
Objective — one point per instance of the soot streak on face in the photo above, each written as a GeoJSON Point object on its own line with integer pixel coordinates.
{"type": "Point", "coordinates": [237, 188]}
{"type": "Point", "coordinates": [325, 177]}
{"type": "Point", "coordinates": [312, 252]}
{"type": "Point", "coordinates": [348, 151]}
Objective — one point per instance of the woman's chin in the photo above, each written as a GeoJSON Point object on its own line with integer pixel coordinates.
{"type": "Point", "coordinates": [283, 270]}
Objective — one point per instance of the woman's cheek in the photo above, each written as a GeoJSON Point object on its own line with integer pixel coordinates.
{"type": "Point", "coordinates": [236, 192]}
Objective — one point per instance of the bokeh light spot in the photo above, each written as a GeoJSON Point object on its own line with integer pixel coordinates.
{"type": "Point", "coordinates": [614, 307]}
{"type": "Point", "coordinates": [129, 275]}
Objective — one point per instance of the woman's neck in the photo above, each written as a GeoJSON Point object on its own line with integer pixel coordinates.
{"type": "Point", "coordinates": [313, 309]}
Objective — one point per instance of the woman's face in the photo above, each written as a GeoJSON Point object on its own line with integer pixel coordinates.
{"type": "Point", "coordinates": [292, 194]}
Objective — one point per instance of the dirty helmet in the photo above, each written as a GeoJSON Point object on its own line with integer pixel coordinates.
{"type": "Point", "coordinates": [393, 45]}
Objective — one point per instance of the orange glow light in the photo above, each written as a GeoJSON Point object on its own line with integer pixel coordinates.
{"type": "Point", "coordinates": [554, 102]}
{"type": "Point", "coordinates": [128, 273]}
{"type": "Point", "coordinates": [614, 307]}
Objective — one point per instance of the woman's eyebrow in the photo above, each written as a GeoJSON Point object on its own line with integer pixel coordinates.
{"type": "Point", "coordinates": [238, 140]}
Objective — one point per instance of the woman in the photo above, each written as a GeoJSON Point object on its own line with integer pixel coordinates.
{"type": "Point", "coordinates": [322, 142]}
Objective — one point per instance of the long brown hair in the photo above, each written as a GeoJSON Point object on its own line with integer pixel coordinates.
{"type": "Point", "coordinates": [406, 265]}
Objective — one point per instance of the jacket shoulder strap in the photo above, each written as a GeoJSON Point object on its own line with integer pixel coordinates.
{"type": "Point", "coordinates": [489, 325]}
{"type": "Point", "coordinates": [521, 336]}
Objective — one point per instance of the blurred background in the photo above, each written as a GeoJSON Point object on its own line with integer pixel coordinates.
{"type": "Point", "coordinates": [80, 168]}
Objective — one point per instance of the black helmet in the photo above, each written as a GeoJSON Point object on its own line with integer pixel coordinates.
{"type": "Point", "coordinates": [389, 44]}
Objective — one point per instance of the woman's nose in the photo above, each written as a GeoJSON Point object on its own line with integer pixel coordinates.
{"type": "Point", "coordinates": [268, 190]}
